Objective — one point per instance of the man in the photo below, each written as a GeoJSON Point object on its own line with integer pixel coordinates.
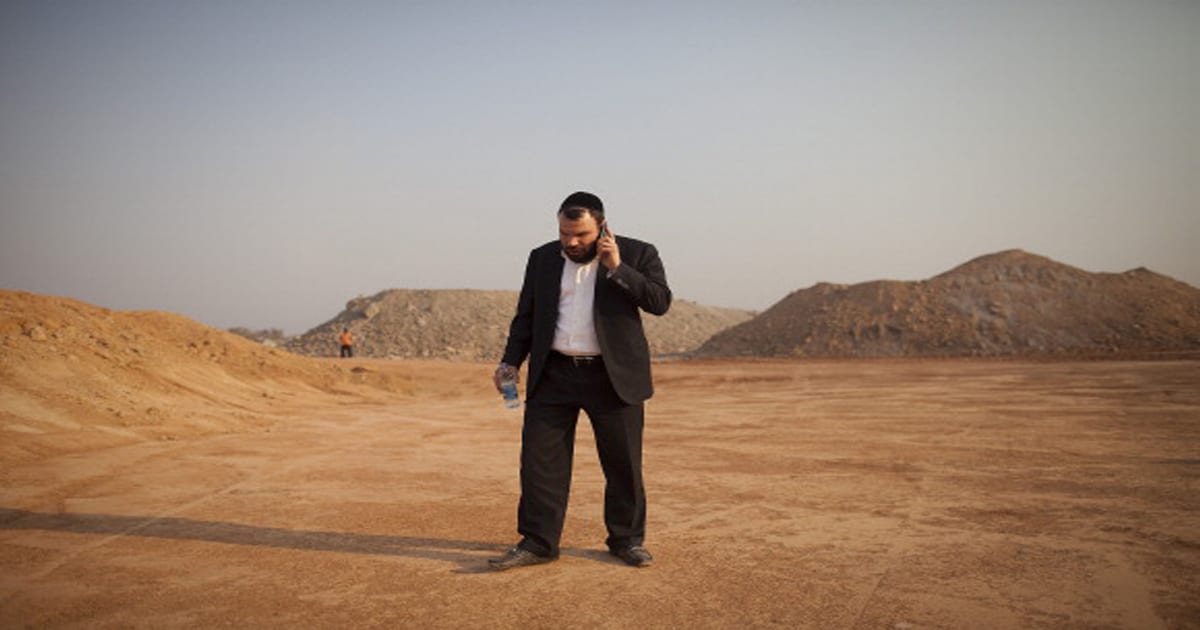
{"type": "Point", "coordinates": [579, 324]}
{"type": "Point", "coordinates": [346, 341]}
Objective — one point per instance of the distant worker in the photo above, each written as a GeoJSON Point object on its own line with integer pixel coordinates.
{"type": "Point", "coordinates": [346, 340]}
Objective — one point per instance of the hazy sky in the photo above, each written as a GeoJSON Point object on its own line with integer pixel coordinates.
{"type": "Point", "coordinates": [260, 163]}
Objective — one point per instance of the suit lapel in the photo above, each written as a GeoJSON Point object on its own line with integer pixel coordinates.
{"type": "Point", "coordinates": [597, 314]}
{"type": "Point", "coordinates": [601, 288]}
{"type": "Point", "coordinates": [552, 280]}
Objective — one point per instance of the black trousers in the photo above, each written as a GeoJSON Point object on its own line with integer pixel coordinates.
{"type": "Point", "coordinates": [548, 447]}
{"type": "Point", "coordinates": [347, 351]}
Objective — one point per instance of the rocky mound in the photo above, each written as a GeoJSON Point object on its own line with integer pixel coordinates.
{"type": "Point", "coordinates": [75, 376]}
{"type": "Point", "coordinates": [473, 325]}
{"type": "Point", "coordinates": [1004, 304]}
{"type": "Point", "coordinates": [688, 325]}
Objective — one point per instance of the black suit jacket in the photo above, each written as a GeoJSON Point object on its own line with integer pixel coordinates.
{"type": "Point", "coordinates": [640, 283]}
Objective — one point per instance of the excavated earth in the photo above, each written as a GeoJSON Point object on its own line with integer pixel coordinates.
{"type": "Point", "coordinates": [468, 324]}
{"type": "Point", "coordinates": [1011, 303]}
{"type": "Point", "coordinates": [156, 473]}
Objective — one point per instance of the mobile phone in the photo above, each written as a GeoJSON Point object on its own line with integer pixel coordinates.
{"type": "Point", "coordinates": [604, 229]}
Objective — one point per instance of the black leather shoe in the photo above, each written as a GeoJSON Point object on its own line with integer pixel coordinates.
{"type": "Point", "coordinates": [518, 557]}
{"type": "Point", "coordinates": [635, 556]}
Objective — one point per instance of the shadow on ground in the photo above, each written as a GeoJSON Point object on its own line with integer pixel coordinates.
{"type": "Point", "coordinates": [463, 553]}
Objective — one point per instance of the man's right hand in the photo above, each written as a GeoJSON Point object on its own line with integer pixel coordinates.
{"type": "Point", "coordinates": [501, 372]}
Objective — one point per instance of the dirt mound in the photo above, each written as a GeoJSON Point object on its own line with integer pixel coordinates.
{"type": "Point", "coordinates": [77, 377]}
{"type": "Point", "coordinates": [688, 325]}
{"type": "Point", "coordinates": [473, 325]}
{"type": "Point", "coordinates": [1004, 304]}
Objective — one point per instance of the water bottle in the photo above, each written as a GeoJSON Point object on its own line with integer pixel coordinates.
{"type": "Point", "coordinates": [508, 386]}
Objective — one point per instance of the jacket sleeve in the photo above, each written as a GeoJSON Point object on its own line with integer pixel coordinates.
{"type": "Point", "coordinates": [644, 280]}
{"type": "Point", "coordinates": [520, 331]}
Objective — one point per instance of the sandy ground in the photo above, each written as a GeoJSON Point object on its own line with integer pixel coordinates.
{"type": "Point", "coordinates": [834, 494]}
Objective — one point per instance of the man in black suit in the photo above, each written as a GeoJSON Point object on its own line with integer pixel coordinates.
{"type": "Point", "coordinates": [578, 321]}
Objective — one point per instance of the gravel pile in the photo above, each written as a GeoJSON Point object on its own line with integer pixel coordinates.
{"type": "Point", "coordinates": [465, 324]}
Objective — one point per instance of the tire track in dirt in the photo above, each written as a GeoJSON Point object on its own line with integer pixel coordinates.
{"type": "Point", "coordinates": [902, 543]}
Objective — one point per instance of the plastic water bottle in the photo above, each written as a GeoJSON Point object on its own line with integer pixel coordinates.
{"type": "Point", "coordinates": [508, 385]}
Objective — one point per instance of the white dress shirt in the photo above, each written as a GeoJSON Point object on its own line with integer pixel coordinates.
{"type": "Point", "coordinates": [575, 330]}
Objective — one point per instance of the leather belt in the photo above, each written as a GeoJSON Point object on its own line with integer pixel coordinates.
{"type": "Point", "coordinates": [579, 361]}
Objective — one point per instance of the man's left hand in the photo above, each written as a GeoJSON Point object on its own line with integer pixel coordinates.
{"type": "Point", "coordinates": [610, 254]}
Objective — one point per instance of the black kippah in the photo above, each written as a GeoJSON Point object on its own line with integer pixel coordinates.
{"type": "Point", "coordinates": [582, 200]}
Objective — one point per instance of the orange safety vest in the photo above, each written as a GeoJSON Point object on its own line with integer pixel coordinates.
{"type": "Point", "coordinates": [346, 339]}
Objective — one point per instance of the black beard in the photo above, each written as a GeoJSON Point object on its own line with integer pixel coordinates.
{"type": "Point", "coordinates": [586, 257]}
